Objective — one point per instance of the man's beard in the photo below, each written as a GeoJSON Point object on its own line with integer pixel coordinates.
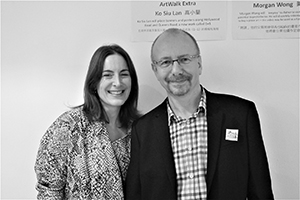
{"type": "Point", "coordinates": [179, 85]}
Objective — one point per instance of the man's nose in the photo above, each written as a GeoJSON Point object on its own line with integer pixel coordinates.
{"type": "Point", "coordinates": [176, 67]}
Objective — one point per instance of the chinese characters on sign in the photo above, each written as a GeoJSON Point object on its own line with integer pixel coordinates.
{"type": "Point", "coordinates": [262, 20]}
{"type": "Point", "coordinates": [205, 20]}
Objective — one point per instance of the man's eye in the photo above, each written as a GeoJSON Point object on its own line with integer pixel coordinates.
{"type": "Point", "coordinates": [165, 62]}
{"type": "Point", "coordinates": [185, 60]}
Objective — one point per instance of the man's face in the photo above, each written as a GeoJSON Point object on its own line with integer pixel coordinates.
{"type": "Point", "coordinates": [178, 79]}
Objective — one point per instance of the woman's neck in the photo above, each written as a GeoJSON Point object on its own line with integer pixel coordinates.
{"type": "Point", "coordinates": [113, 115]}
{"type": "Point", "coordinates": [114, 126]}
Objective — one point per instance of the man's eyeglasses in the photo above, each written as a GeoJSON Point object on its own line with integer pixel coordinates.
{"type": "Point", "coordinates": [184, 60]}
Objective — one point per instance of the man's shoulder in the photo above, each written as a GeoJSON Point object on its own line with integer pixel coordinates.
{"type": "Point", "coordinates": [226, 98]}
{"type": "Point", "coordinates": [228, 102]}
{"type": "Point", "coordinates": [159, 110]}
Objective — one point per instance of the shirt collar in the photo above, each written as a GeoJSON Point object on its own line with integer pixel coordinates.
{"type": "Point", "coordinates": [201, 110]}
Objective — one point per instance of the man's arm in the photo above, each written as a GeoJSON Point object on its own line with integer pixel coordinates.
{"type": "Point", "coordinates": [132, 184]}
{"type": "Point", "coordinates": [259, 177]}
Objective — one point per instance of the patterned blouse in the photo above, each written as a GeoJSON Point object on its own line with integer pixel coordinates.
{"type": "Point", "coordinates": [77, 160]}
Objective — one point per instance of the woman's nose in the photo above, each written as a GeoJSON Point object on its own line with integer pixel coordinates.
{"type": "Point", "coordinates": [117, 80]}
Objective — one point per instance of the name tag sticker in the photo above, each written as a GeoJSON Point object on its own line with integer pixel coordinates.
{"type": "Point", "coordinates": [232, 134]}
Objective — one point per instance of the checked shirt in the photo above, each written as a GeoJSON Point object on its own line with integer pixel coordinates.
{"type": "Point", "coordinates": [189, 144]}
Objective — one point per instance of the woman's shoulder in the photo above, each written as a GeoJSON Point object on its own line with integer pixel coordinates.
{"type": "Point", "coordinates": [74, 114]}
{"type": "Point", "coordinates": [73, 117]}
{"type": "Point", "coordinates": [67, 124]}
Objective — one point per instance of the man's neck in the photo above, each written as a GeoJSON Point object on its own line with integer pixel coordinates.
{"type": "Point", "coordinates": [185, 106]}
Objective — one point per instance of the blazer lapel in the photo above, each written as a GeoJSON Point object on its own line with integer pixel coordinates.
{"type": "Point", "coordinates": [215, 122]}
{"type": "Point", "coordinates": [163, 142]}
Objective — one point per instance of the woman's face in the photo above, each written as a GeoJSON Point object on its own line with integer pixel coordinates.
{"type": "Point", "coordinates": [115, 85]}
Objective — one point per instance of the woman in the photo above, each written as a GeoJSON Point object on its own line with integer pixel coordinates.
{"type": "Point", "coordinates": [85, 153]}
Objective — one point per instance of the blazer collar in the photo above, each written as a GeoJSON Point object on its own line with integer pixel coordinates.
{"type": "Point", "coordinates": [215, 122]}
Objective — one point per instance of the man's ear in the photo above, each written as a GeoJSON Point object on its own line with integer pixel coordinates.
{"type": "Point", "coordinates": [200, 65]}
{"type": "Point", "coordinates": [154, 68]}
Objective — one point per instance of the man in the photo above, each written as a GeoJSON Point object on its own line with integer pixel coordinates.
{"type": "Point", "coordinates": [196, 144]}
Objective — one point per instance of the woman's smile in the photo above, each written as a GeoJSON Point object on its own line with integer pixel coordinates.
{"type": "Point", "coordinates": [116, 92]}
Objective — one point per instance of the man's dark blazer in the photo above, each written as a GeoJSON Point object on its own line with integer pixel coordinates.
{"type": "Point", "coordinates": [235, 170]}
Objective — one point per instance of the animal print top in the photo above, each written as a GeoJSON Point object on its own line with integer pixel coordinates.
{"type": "Point", "coordinates": [77, 160]}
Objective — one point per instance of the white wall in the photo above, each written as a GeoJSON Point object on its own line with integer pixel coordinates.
{"type": "Point", "coordinates": [45, 52]}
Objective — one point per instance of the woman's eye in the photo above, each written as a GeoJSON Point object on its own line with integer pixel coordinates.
{"type": "Point", "coordinates": [125, 74]}
{"type": "Point", "coordinates": [107, 75]}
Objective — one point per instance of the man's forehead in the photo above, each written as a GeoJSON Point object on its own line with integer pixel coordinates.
{"type": "Point", "coordinates": [177, 45]}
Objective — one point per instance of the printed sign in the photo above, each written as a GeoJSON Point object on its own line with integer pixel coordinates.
{"type": "Point", "coordinates": [266, 19]}
{"type": "Point", "coordinates": [206, 20]}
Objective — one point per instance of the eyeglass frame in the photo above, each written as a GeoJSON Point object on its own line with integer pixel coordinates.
{"type": "Point", "coordinates": [177, 60]}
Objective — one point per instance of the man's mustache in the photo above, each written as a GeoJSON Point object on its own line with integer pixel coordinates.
{"type": "Point", "coordinates": [179, 78]}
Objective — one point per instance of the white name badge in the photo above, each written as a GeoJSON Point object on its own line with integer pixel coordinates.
{"type": "Point", "coordinates": [232, 134]}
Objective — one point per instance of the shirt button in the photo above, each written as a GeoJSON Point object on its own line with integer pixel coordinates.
{"type": "Point", "coordinates": [201, 109]}
{"type": "Point", "coordinates": [191, 176]}
{"type": "Point", "coordinates": [188, 149]}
